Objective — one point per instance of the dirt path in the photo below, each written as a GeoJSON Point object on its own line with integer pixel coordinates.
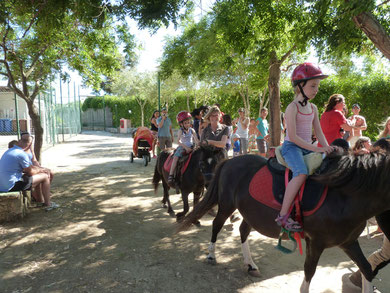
{"type": "Point", "coordinates": [111, 235]}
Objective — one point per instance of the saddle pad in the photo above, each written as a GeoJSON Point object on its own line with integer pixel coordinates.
{"type": "Point", "coordinates": [312, 160]}
{"type": "Point", "coordinates": [169, 160]}
{"type": "Point", "coordinates": [268, 188]}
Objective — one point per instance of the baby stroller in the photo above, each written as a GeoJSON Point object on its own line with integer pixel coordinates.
{"type": "Point", "coordinates": [143, 140]}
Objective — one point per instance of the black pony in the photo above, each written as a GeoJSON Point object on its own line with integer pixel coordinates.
{"type": "Point", "coordinates": [359, 188]}
{"type": "Point", "coordinates": [198, 175]}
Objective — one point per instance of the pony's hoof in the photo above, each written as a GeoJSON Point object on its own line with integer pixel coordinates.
{"type": "Point", "coordinates": [179, 217]}
{"type": "Point", "coordinates": [172, 214]}
{"type": "Point", "coordinates": [164, 206]}
{"type": "Point", "coordinates": [197, 224]}
{"type": "Point", "coordinates": [253, 272]}
{"type": "Point", "coordinates": [211, 260]}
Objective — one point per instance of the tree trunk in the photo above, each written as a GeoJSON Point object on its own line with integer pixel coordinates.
{"type": "Point", "coordinates": [195, 102]}
{"type": "Point", "coordinates": [274, 100]}
{"type": "Point", "coordinates": [367, 22]}
{"type": "Point", "coordinates": [142, 114]}
{"type": "Point", "coordinates": [262, 100]}
{"type": "Point", "coordinates": [243, 98]}
{"type": "Point", "coordinates": [188, 103]}
{"type": "Point", "coordinates": [248, 104]}
{"type": "Point", "coordinates": [38, 129]}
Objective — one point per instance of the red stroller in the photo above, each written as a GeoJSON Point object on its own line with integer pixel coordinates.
{"type": "Point", "coordinates": [143, 140]}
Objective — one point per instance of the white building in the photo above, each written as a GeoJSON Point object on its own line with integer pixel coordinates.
{"type": "Point", "coordinates": [8, 112]}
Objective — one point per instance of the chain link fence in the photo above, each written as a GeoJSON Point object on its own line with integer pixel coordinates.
{"type": "Point", "coordinates": [60, 116]}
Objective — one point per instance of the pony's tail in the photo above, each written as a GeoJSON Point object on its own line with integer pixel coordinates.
{"type": "Point", "coordinates": [156, 178]}
{"type": "Point", "coordinates": [207, 203]}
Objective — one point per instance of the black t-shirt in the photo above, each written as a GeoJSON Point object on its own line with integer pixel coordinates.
{"type": "Point", "coordinates": [208, 133]}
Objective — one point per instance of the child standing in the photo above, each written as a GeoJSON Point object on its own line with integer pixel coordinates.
{"type": "Point", "coordinates": [253, 133]}
{"type": "Point", "coordinates": [242, 123]}
{"type": "Point", "coordinates": [301, 118]}
{"type": "Point", "coordinates": [236, 145]}
{"type": "Point", "coordinates": [186, 140]}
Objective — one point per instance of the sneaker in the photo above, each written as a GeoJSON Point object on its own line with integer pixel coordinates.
{"type": "Point", "coordinates": [39, 204]}
{"type": "Point", "coordinates": [52, 206]}
{"type": "Point", "coordinates": [154, 156]}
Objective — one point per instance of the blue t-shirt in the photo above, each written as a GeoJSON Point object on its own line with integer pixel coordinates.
{"type": "Point", "coordinates": [164, 130]}
{"type": "Point", "coordinates": [12, 163]}
{"type": "Point", "coordinates": [236, 146]}
{"type": "Point", "coordinates": [262, 127]}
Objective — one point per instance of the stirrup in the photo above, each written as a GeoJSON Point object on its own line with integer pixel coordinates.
{"type": "Point", "coordinates": [288, 224]}
{"type": "Point", "coordinates": [171, 180]}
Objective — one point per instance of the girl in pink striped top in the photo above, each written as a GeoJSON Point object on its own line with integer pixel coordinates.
{"type": "Point", "coordinates": [301, 119]}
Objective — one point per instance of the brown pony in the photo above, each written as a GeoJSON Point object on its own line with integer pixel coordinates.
{"type": "Point", "coordinates": [198, 174]}
{"type": "Point", "coordinates": [359, 188]}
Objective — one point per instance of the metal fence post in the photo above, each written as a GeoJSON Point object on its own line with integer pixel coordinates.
{"type": "Point", "coordinates": [75, 109]}
{"type": "Point", "coordinates": [80, 111]}
{"type": "Point", "coordinates": [51, 115]}
{"type": "Point", "coordinates": [62, 112]}
{"type": "Point", "coordinates": [68, 109]}
{"type": "Point", "coordinates": [116, 116]}
{"type": "Point", "coordinates": [17, 116]}
{"type": "Point", "coordinates": [104, 114]}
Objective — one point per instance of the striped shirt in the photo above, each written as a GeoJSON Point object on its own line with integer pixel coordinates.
{"type": "Point", "coordinates": [303, 125]}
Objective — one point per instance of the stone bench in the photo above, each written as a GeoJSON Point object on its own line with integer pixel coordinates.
{"type": "Point", "coordinates": [14, 205]}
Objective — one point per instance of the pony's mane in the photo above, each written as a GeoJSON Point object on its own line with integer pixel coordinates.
{"type": "Point", "coordinates": [352, 173]}
{"type": "Point", "coordinates": [207, 148]}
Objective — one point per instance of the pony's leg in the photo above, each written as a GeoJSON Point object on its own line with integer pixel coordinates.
{"type": "Point", "coordinates": [245, 229]}
{"type": "Point", "coordinates": [184, 197]}
{"type": "Point", "coordinates": [218, 222]}
{"type": "Point", "coordinates": [166, 199]}
{"type": "Point", "coordinates": [355, 253]}
{"type": "Point", "coordinates": [197, 195]}
{"type": "Point", "coordinates": [313, 253]}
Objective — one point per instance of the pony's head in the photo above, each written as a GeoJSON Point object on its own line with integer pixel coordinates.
{"type": "Point", "coordinates": [210, 156]}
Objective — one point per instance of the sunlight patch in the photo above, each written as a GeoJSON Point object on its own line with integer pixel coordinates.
{"type": "Point", "coordinates": [29, 268]}
{"type": "Point", "coordinates": [88, 228]}
{"type": "Point", "coordinates": [123, 203]}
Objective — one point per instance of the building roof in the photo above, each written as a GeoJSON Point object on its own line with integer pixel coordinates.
{"type": "Point", "coordinates": [5, 89]}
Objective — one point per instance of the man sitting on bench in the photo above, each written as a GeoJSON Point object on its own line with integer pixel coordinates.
{"type": "Point", "coordinates": [17, 172]}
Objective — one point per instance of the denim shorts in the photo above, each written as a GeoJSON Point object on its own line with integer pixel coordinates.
{"type": "Point", "coordinates": [293, 155]}
{"type": "Point", "coordinates": [180, 151]}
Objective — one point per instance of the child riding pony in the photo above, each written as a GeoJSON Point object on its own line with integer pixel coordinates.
{"type": "Point", "coordinates": [186, 141]}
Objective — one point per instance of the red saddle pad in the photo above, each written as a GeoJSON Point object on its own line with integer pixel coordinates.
{"type": "Point", "coordinates": [260, 188]}
{"type": "Point", "coordinates": [169, 160]}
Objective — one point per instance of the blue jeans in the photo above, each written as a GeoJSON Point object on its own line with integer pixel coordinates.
{"type": "Point", "coordinates": [293, 155]}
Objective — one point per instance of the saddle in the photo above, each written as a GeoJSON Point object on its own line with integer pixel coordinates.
{"type": "Point", "coordinates": [181, 166]}
{"type": "Point", "coordinates": [269, 184]}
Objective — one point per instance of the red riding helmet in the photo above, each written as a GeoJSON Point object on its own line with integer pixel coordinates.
{"type": "Point", "coordinates": [306, 71]}
{"type": "Point", "coordinates": [183, 116]}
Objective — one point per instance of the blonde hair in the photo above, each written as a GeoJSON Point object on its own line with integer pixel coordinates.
{"type": "Point", "coordinates": [359, 144]}
{"type": "Point", "coordinates": [385, 131]}
{"type": "Point", "coordinates": [212, 110]}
